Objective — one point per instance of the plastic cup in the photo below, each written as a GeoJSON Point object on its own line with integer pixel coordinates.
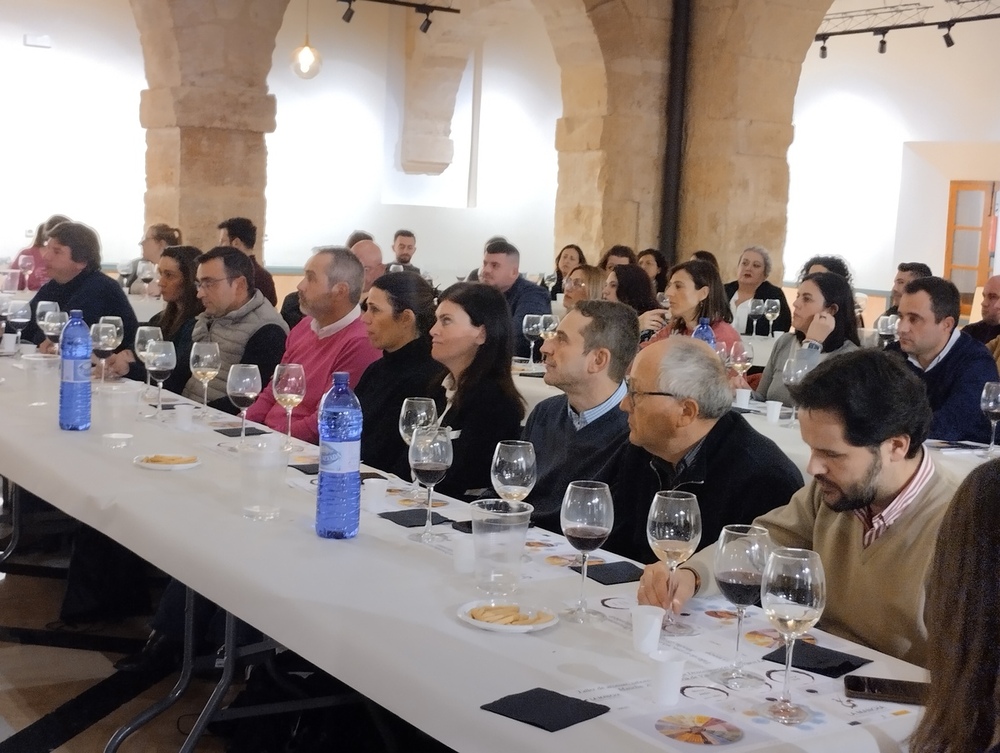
{"type": "Point", "coordinates": [116, 440]}
{"type": "Point", "coordinates": [647, 621]}
{"type": "Point", "coordinates": [773, 411]}
{"type": "Point", "coordinates": [668, 669]}
{"type": "Point", "coordinates": [118, 406]}
{"type": "Point", "coordinates": [263, 465]}
{"type": "Point", "coordinates": [184, 416]}
{"type": "Point", "coordinates": [743, 398]}
{"type": "Point", "coordinates": [375, 488]}
{"type": "Point", "coordinates": [8, 343]}
{"type": "Point", "coordinates": [499, 530]}
{"type": "Point", "coordinates": [42, 372]}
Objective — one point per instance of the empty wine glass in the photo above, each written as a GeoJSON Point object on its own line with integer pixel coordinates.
{"type": "Point", "coordinates": [289, 387]}
{"type": "Point", "coordinates": [740, 558]}
{"type": "Point", "coordinates": [119, 325]}
{"type": "Point", "coordinates": [989, 403]}
{"type": "Point", "coordinates": [18, 316]}
{"type": "Point", "coordinates": [531, 326]}
{"type": "Point", "coordinates": [52, 326]}
{"type": "Point", "coordinates": [793, 594]}
{"type": "Point", "coordinates": [513, 469]}
{"type": "Point", "coordinates": [243, 385]}
{"type": "Point", "coordinates": [586, 517]}
{"type": "Point", "coordinates": [886, 328]}
{"type": "Point", "coordinates": [741, 358]}
{"type": "Point", "coordinates": [795, 370]}
{"type": "Point", "coordinates": [205, 363]}
{"type": "Point", "coordinates": [143, 336]}
{"type": "Point", "coordinates": [415, 413]}
{"type": "Point", "coordinates": [41, 309]}
{"type": "Point", "coordinates": [722, 351]}
{"type": "Point", "coordinates": [145, 271]}
{"type": "Point", "coordinates": [161, 360]}
{"type": "Point", "coordinates": [397, 268]}
{"type": "Point", "coordinates": [430, 458]}
{"type": "Point", "coordinates": [756, 312]}
{"type": "Point", "coordinates": [673, 530]}
{"type": "Point", "coordinates": [772, 310]}
{"type": "Point", "coordinates": [102, 340]}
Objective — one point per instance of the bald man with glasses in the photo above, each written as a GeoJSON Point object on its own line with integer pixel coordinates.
{"type": "Point", "coordinates": [683, 436]}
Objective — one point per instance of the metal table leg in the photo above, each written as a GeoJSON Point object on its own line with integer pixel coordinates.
{"type": "Point", "coordinates": [215, 700]}
{"type": "Point", "coordinates": [12, 495]}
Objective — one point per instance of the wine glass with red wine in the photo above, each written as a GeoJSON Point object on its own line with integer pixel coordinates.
{"type": "Point", "coordinates": [740, 557]}
{"type": "Point", "coordinates": [586, 517]}
{"type": "Point", "coordinates": [430, 458]}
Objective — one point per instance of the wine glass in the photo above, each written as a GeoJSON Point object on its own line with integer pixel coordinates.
{"type": "Point", "coordinates": [161, 360]}
{"type": "Point", "coordinates": [119, 325]}
{"type": "Point", "coordinates": [795, 370]}
{"type": "Point", "coordinates": [722, 351]}
{"type": "Point", "coordinates": [11, 280]}
{"type": "Point", "coordinates": [793, 594]}
{"type": "Point", "coordinates": [52, 326]}
{"type": "Point", "coordinates": [772, 310]}
{"type": "Point", "coordinates": [673, 530]}
{"type": "Point", "coordinates": [531, 326]}
{"type": "Point", "coordinates": [102, 340]}
{"type": "Point", "coordinates": [397, 268]}
{"type": "Point", "coordinates": [42, 308]}
{"type": "Point", "coordinates": [27, 265]}
{"type": "Point", "coordinates": [124, 271]}
{"type": "Point", "coordinates": [145, 271]}
{"type": "Point", "coordinates": [586, 517]}
{"type": "Point", "coordinates": [18, 315]}
{"type": "Point", "coordinates": [143, 336]}
{"type": "Point", "coordinates": [289, 387]}
{"type": "Point", "coordinates": [243, 385]}
{"type": "Point", "coordinates": [741, 358]}
{"type": "Point", "coordinates": [989, 403]}
{"type": "Point", "coordinates": [547, 326]}
{"type": "Point", "coordinates": [430, 458]}
{"type": "Point", "coordinates": [756, 312]}
{"type": "Point", "coordinates": [740, 558]}
{"type": "Point", "coordinates": [513, 469]}
{"type": "Point", "coordinates": [416, 412]}
{"type": "Point", "coordinates": [205, 364]}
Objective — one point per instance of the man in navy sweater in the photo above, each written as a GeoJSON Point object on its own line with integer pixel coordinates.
{"type": "Point", "coordinates": [574, 433]}
{"type": "Point", "coordinates": [953, 366]}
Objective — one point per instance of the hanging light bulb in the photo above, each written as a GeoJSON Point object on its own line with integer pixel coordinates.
{"type": "Point", "coordinates": [306, 60]}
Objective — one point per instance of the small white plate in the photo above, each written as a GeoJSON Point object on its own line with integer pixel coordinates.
{"type": "Point", "coordinates": [464, 616]}
{"type": "Point", "coordinates": [140, 460]}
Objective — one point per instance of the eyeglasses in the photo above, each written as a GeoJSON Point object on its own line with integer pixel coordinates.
{"type": "Point", "coordinates": [570, 284]}
{"type": "Point", "coordinates": [634, 393]}
{"type": "Point", "coordinates": [208, 282]}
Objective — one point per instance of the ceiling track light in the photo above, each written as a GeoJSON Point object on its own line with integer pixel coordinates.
{"type": "Point", "coordinates": [426, 23]}
{"type": "Point", "coordinates": [882, 46]}
{"type": "Point", "coordinates": [822, 49]}
{"type": "Point", "coordinates": [349, 13]}
{"type": "Point", "coordinates": [948, 40]}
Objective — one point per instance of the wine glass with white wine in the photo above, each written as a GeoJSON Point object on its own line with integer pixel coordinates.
{"type": "Point", "coordinates": [673, 530]}
{"type": "Point", "coordinates": [289, 387]}
{"type": "Point", "coordinates": [772, 310]}
{"type": "Point", "coordinates": [205, 362]}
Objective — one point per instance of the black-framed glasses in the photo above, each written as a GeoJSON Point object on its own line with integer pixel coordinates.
{"type": "Point", "coordinates": [634, 393]}
{"type": "Point", "coordinates": [208, 282]}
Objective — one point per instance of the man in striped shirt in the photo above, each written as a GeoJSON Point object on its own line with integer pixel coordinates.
{"type": "Point", "coordinates": [872, 510]}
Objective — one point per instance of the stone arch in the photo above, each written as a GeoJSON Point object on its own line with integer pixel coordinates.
{"type": "Point", "coordinates": [746, 58]}
{"type": "Point", "coordinates": [206, 110]}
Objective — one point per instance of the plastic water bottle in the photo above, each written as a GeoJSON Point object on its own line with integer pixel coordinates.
{"type": "Point", "coordinates": [704, 332]}
{"type": "Point", "coordinates": [338, 494]}
{"type": "Point", "coordinates": [74, 389]}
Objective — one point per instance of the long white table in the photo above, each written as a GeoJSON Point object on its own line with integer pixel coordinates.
{"type": "Point", "coordinates": [379, 611]}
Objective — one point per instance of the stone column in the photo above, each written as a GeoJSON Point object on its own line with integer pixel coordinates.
{"type": "Point", "coordinates": [206, 110]}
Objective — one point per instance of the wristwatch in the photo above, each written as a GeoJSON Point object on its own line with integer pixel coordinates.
{"type": "Point", "coordinates": [812, 345]}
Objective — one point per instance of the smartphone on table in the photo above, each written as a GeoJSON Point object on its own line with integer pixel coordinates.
{"type": "Point", "coordinates": [884, 689]}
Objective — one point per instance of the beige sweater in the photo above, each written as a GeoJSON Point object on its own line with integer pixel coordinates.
{"type": "Point", "coordinates": [875, 596]}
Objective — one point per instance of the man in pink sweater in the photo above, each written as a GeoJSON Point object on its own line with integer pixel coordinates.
{"type": "Point", "coordinates": [330, 338]}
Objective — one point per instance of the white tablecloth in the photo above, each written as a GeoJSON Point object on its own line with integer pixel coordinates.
{"type": "Point", "coordinates": [379, 611]}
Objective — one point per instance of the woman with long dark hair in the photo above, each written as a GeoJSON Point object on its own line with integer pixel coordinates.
{"type": "Point", "coordinates": [655, 265]}
{"type": "Point", "coordinates": [962, 613]}
{"type": "Point", "coordinates": [629, 284]}
{"type": "Point", "coordinates": [695, 293]}
{"type": "Point", "coordinates": [822, 319]}
{"type": "Point", "coordinates": [472, 339]}
{"type": "Point", "coordinates": [177, 269]}
{"type": "Point", "coordinates": [398, 320]}
{"type": "Point", "coordinates": [568, 259]}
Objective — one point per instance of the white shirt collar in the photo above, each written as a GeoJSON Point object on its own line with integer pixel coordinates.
{"type": "Point", "coordinates": [955, 334]}
{"type": "Point", "coordinates": [341, 323]}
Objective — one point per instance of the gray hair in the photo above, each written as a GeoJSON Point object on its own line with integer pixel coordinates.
{"type": "Point", "coordinates": [690, 370]}
{"type": "Point", "coordinates": [344, 267]}
{"type": "Point", "coordinates": [764, 254]}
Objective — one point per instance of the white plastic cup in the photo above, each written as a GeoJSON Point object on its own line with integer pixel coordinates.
{"type": "Point", "coordinates": [668, 669]}
{"type": "Point", "coordinates": [42, 373]}
{"type": "Point", "coordinates": [185, 416]}
{"type": "Point", "coordinates": [773, 411]}
{"type": "Point", "coordinates": [8, 342]}
{"type": "Point", "coordinates": [263, 466]}
{"type": "Point", "coordinates": [118, 406]}
{"type": "Point", "coordinates": [116, 440]}
{"type": "Point", "coordinates": [375, 488]}
{"type": "Point", "coordinates": [499, 530]}
{"type": "Point", "coordinates": [647, 622]}
{"type": "Point", "coordinates": [743, 398]}
{"type": "Point", "coordinates": [463, 554]}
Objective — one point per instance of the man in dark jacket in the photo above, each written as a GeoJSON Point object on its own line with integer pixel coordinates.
{"type": "Point", "coordinates": [501, 270]}
{"type": "Point", "coordinates": [682, 435]}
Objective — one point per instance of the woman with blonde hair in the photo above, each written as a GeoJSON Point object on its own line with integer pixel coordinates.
{"type": "Point", "coordinates": [585, 283]}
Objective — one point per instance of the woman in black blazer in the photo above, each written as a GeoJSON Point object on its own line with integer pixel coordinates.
{"type": "Point", "coordinates": [751, 282]}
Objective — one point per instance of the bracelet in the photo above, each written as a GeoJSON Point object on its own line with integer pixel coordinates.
{"type": "Point", "coordinates": [697, 579]}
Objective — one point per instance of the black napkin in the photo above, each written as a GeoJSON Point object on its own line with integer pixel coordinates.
{"type": "Point", "coordinates": [533, 374]}
{"type": "Point", "coordinates": [822, 661]}
{"type": "Point", "coordinates": [165, 406]}
{"type": "Point", "coordinates": [413, 518]}
{"type": "Point", "coordinates": [365, 475]}
{"type": "Point", "coordinates": [612, 573]}
{"type": "Point", "coordinates": [310, 469]}
{"type": "Point", "coordinates": [252, 431]}
{"type": "Point", "coordinates": [546, 709]}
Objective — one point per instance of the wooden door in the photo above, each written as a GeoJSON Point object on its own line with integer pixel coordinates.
{"type": "Point", "coordinates": [969, 249]}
